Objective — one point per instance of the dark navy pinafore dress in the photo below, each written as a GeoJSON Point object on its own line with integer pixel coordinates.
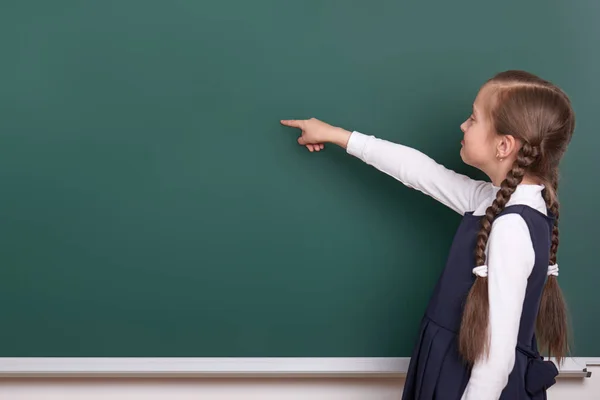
{"type": "Point", "coordinates": [436, 370]}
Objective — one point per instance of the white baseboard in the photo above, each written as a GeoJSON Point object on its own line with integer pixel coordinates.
{"type": "Point", "coordinates": [231, 367]}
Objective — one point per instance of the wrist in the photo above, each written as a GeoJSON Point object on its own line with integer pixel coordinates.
{"type": "Point", "coordinates": [339, 136]}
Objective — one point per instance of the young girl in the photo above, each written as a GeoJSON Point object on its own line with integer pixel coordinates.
{"type": "Point", "coordinates": [478, 337]}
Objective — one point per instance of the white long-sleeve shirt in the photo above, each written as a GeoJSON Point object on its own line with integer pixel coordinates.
{"type": "Point", "coordinates": [510, 253]}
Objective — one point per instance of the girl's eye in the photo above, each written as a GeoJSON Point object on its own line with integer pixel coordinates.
{"type": "Point", "coordinates": [472, 118]}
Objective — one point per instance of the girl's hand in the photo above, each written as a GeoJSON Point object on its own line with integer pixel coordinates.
{"type": "Point", "coordinates": [316, 133]}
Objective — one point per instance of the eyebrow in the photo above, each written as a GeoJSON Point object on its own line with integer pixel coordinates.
{"type": "Point", "coordinates": [474, 110]}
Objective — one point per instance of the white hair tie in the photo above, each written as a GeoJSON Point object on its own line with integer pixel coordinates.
{"type": "Point", "coordinates": [481, 271]}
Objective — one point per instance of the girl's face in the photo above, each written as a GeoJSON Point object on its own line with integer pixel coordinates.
{"type": "Point", "coordinates": [479, 142]}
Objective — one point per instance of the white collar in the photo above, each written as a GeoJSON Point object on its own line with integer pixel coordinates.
{"type": "Point", "coordinates": [525, 187]}
{"type": "Point", "coordinates": [527, 194]}
{"type": "Point", "coordinates": [524, 193]}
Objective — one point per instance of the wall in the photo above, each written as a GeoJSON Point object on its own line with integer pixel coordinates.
{"type": "Point", "coordinates": [247, 389]}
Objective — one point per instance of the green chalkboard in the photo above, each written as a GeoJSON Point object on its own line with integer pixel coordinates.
{"type": "Point", "coordinates": [152, 205]}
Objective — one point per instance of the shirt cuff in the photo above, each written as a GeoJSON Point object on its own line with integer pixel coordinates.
{"type": "Point", "coordinates": [356, 144]}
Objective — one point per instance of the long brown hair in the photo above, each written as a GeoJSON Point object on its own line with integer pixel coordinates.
{"type": "Point", "coordinates": [540, 116]}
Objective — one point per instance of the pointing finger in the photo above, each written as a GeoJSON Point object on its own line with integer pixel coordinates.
{"type": "Point", "coordinates": [295, 123]}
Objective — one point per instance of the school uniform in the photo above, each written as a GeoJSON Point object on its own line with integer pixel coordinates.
{"type": "Point", "coordinates": [517, 267]}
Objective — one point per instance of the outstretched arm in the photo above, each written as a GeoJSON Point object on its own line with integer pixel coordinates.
{"type": "Point", "coordinates": [409, 166]}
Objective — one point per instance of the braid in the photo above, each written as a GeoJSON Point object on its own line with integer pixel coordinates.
{"type": "Point", "coordinates": [552, 204]}
{"type": "Point", "coordinates": [473, 338]}
{"type": "Point", "coordinates": [551, 324]}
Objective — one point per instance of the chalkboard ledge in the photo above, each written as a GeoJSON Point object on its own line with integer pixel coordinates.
{"type": "Point", "coordinates": [230, 367]}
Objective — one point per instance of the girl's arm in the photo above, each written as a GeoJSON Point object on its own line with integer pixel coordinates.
{"type": "Point", "coordinates": [407, 165]}
{"type": "Point", "coordinates": [420, 172]}
{"type": "Point", "coordinates": [510, 261]}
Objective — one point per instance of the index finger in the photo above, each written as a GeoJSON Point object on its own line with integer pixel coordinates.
{"type": "Point", "coordinates": [295, 123]}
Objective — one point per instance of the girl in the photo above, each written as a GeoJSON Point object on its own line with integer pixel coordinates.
{"type": "Point", "coordinates": [478, 337]}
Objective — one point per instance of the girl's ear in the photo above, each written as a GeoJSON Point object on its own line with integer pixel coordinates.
{"type": "Point", "coordinates": [506, 146]}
